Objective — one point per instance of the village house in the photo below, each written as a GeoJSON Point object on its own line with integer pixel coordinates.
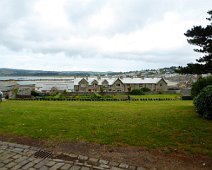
{"type": "Point", "coordinates": [21, 89]}
{"type": "Point", "coordinates": [8, 88]}
{"type": "Point", "coordinates": [13, 89]}
{"type": "Point", "coordinates": [90, 84]}
{"type": "Point", "coordinates": [54, 86]}
{"type": "Point", "coordinates": [25, 88]}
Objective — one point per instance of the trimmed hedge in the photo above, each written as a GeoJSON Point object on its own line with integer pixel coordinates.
{"type": "Point", "coordinates": [187, 98]}
{"type": "Point", "coordinates": [90, 99]}
{"type": "Point", "coordinates": [203, 102]}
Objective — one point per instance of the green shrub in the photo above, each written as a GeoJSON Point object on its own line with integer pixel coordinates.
{"type": "Point", "coordinates": [34, 93]}
{"type": "Point", "coordinates": [96, 96]}
{"type": "Point", "coordinates": [76, 97]}
{"type": "Point", "coordinates": [145, 89]}
{"type": "Point", "coordinates": [200, 84]}
{"type": "Point", "coordinates": [137, 92]}
{"type": "Point", "coordinates": [108, 96]}
{"type": "Point", "coordinates": [203, 102]}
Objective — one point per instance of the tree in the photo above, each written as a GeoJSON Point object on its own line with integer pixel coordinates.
{"type": "Point", "coordinates": [202, 37]}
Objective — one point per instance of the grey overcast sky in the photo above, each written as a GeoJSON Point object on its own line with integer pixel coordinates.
{"type": "Point", "coordinates": [98, 35]}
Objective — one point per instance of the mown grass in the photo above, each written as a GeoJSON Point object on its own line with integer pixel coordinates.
{"type": "Point", "coordinates": [153, 124]}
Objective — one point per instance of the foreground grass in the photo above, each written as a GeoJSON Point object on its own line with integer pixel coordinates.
{"type": "Point", "coordinates": [153, 124]}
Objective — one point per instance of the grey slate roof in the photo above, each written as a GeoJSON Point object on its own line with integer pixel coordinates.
{"type": "Point", "coordinates": [124, 80]}
{"type": "Point", "coordinates": [60, 85]}
{"type": "Point", "coordinates": [7, 85]}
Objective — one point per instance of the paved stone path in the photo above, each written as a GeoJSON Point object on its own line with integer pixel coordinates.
{"type": "Point", "coordinates": [22, 157]}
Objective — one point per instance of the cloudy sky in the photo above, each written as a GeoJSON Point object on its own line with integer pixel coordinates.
{"type": "Point", "coordinates": [98, 35]}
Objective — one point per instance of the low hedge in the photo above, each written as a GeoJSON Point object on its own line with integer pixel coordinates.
{"type": "Point", "coordinates": [89, 99]}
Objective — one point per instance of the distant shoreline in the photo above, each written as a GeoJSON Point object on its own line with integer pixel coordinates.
{"type": "Point", "coordinates": [31, 78]}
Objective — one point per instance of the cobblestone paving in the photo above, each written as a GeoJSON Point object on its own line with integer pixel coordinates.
{"type": "Point", "coordinates": [22, 157]}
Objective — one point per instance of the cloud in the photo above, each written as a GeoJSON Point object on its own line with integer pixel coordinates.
{"type": "Point", "coordinates": [98, 34]}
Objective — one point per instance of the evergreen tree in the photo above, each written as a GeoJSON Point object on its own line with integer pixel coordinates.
{"type": "Point", "coordinates": [202, 37]}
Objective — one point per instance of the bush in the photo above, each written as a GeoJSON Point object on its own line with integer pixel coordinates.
{"type": "Point", "coordinates": [203, 102]}
{"type": "Point", "coordinates": [108, 96]}
{"type": "Point", "coordinates": [34, 93]}
{"type": "Point", "coordinates": [137, 92]}
{"type": "Point", "coordinates": [200, 84]}
{"type": "Point", "coordinates": [144, 89]}
{"type": "Point", "coordinates": [187, 98]}
{"type": "Point", "coordinates": [96, 96]}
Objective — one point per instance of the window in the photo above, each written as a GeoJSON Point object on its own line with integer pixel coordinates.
{"type": "Point", "coordinates": [118, 85]}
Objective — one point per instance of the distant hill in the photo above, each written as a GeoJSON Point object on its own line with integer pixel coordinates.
{"type": "Point", "coordinates": [20, 72]}
{"type": "Point", "coordinates": [147, 72]}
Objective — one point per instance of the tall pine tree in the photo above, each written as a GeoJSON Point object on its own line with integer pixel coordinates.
{"type": "Point", "coordinates": [202, 37]}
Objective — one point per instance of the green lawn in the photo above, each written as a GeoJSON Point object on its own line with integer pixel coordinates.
{"type": "Point", "coordinates": [153, 124]}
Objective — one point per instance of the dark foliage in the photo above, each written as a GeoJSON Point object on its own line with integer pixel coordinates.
{"type": "Point", "coordinates": [200, 84]}
{"type": "Point", "coordinates": [96, 96]}
{"type": "Point", "coordinates": [145, 89]}
{"type": "Point", "coordinates": [203, 102]}
{"type": "Point", "coordinates": [34, 93]}
{"type": "Point", "coordinates": [187, 98]}
{"type": "Point", "coordinates": [139, 91]}
{"type": "Point", "coordinates": [201, 37]}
